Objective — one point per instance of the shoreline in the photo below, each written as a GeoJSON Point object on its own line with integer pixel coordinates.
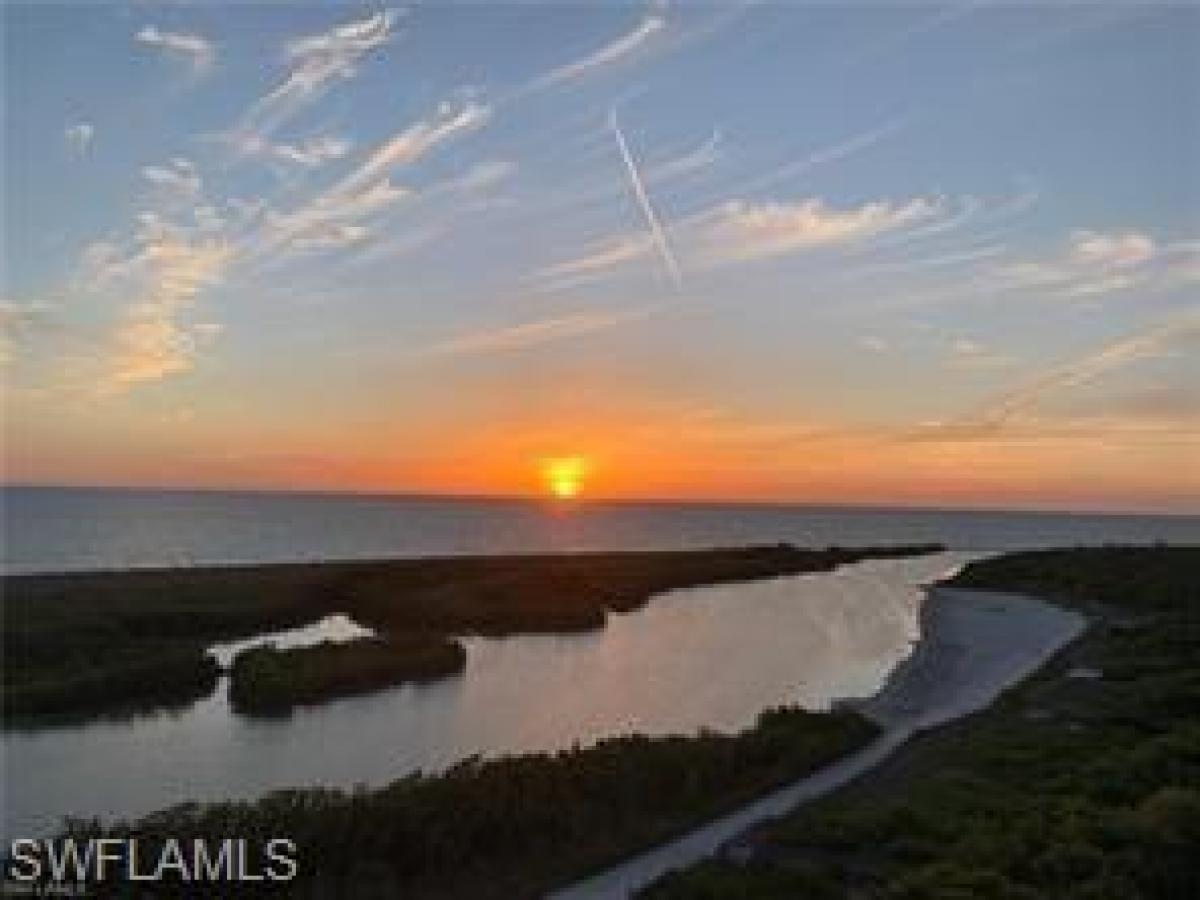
{"type": "Point", "coordinates": [86, 644]}
{"type": "Point", "coordinates": [960, 663]}
{"type": "Point", "coordinates": [584, 700]}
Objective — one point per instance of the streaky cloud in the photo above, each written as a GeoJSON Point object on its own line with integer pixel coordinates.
{"type": "Point", "coordinates": [309, 153]}
{"type": "Point", "coordinates": [741, 231]}
{"type": "Point", "coordinates": [197, 51]}
{"type": "Point", "coordinates": [738, 231]}
{"type": "Point", "coordinates": [330, 236]}
{"type": "Point", "coordinates": [993, 416]}
{"type": "Point", "coordinates": [702, 157]}
{"type": "Point", "coordinates": [620, 47]}
{"type": "Point", "coordinates": [315, 61]}
{"type": "Point", "coordinates": [623, 249]}
{"type": "Point", "coordinates": [1093, 263]}
{"type": "Point", "coordinates": [368, 190]}
{"type": "Point", "coordinates": [608, 255]}
{"type": "Point", "coordinates": [533, 333]}
{"type": "Point", "coordinates": [329, 221]}
{"type": "Point", "coordinates": [1150, 343]}
{"type": "Point", "coordinates": [938, 261]}
{"type": "Point", "coordinates": [179, 177]}
{"type": "Point", "coordinates": [411, 143]}
{"type": "Point", "coordinates": [1119, 250]}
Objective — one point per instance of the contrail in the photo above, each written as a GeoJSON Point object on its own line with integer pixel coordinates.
{"type": "Point", "coordinates": [639, 190]}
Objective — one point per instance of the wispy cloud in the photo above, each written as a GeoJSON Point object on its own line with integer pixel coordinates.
{"type": "Point", "coordinates": [394, 245]}
{"type": "Point", "coordinates": [1147, 344]}
{"type": "Point", "coordinates": [1115, 250]}
{"type": "Point", "coordinates": [179, 177]}
{"type": "Point", "coordinates": [643, 199]}
{"type": "Point", "coordinates": [1010, 405]}
{"type": "Point", "coordinates": [532, 334]}
{"type": "Point", "coordinates": [1097, 262]}
{"type": "Point", "coordinates": [194, 50]}
{"type": "Point", "coordinates": [483, 175]}
{"type": "Point", "coordinates": [330, 220]}
{"type": "Point", "coordinates": [410, 144]}
{"type": "Point", "coordinates": [936, 261]}
{"type": "Point", "coordinates": [1088, 265]}
{"type": "Point", "coordinates": [618, 48]}
{"type": "Point", "coordinates": [743, 231]}
{"type": "Point", "coordinates": [695, 160]}
{"type": "Point", "coordinates": [149, 281]}
{"type": "Point", "coordinates": [963, 213]}
{"type": "Point", "coordinates": [698, 232]}
{"type": "Point", "coordinates": [187, 246]}
{"type": "Point", "coordinates": [739, 231]}
{"type": "Point", "coordinates": [79, 137]}
{"type": "Point", "coordinates": [152, 340]}
{"type": "Point", "coordinates": [597, 260]}
{"type": "Point", "coordinates": [309, 153]}
{"type": "Point", "coordinates": [315, 61]}
{"type": "Point", "coordinates": [338, 216]}
{"type": "Point", "coordinates": [330, 236]}
{"type": "Point", "coordinates": [969, 208]}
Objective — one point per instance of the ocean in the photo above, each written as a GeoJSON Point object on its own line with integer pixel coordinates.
{"type": "Point", "coordinates": [73, 529]}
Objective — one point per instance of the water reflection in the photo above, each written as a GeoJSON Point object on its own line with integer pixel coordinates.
{"type": "Point", "coordinates": [707, 657]}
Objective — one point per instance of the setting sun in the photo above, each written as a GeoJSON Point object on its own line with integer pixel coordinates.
{"type": "Point", "coordinates": [564, 475]}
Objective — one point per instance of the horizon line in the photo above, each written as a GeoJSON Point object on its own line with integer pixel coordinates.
{"type": "Point", "coordinates": [542, 500]}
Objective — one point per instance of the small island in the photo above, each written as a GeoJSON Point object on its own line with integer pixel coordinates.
{"type": "Point", "coordinates": [265, 680]}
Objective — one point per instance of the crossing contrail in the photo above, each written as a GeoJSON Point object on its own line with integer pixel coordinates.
{"type": "Point", "coordinates": [643, 199]}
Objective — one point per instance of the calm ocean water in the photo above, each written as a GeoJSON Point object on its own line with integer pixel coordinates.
{"type": "Point", "coordinates": [61, 529]}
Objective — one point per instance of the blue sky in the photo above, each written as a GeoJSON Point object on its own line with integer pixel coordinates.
{"type": "Point", "coordinates": [896, 252]}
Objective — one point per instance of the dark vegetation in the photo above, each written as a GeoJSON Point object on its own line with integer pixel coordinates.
{"type": "Point", "coordinates": [510, 827]}
{"type": "Point", "coordinates": [164, 676]}
{"type": "Point", "coordinates": [104, 642]}
{"type": "Point", "coordinates": [1081, 782]}
{"type": "Point", "coordinates": [267, 680]}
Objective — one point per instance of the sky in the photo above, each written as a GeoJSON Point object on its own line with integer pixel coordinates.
{"type": "Point", "coordinates": [886, 253]}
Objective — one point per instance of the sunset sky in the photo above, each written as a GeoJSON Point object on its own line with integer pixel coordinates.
{"type": "Point", "coordinates": [885, 253]}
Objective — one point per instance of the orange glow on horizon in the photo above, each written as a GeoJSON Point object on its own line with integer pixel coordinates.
{"type": "Point", "coordinates": [622, 448]}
